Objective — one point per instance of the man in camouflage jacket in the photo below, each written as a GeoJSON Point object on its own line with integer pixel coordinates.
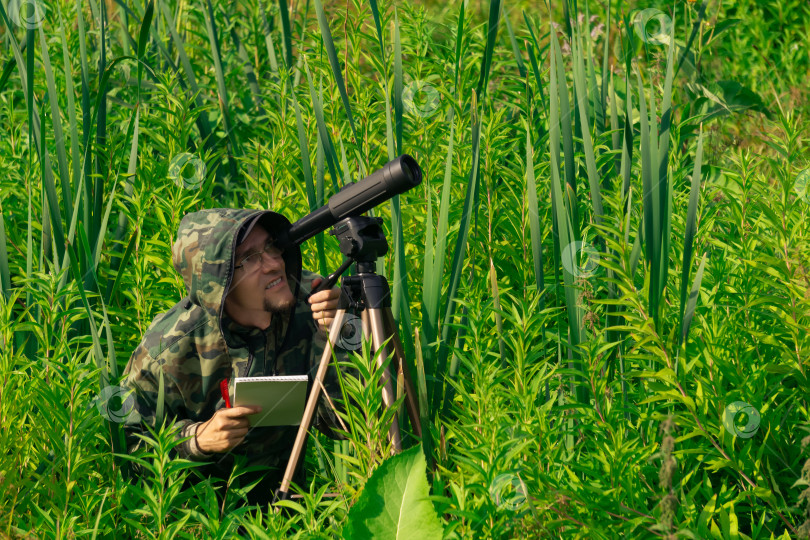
{"type": "Point", "coordinates": [246, 314]}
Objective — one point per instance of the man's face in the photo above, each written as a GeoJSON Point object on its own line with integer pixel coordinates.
{"type": "Point", "coordinates": [259, 287]}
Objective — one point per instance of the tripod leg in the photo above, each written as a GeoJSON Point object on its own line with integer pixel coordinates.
{"type": "Point", "coordinates": [378, 337]}
{"type": "Point", "coordinates": [411, 401]}
{"type": "Point", "coordinates": [312, 403]}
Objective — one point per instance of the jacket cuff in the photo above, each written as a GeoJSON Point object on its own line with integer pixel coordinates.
{"type": "Point", "coordinates": [190, 448]}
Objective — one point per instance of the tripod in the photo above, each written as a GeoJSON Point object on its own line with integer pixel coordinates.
{"type": "Point", "coordinates": [361, 242]}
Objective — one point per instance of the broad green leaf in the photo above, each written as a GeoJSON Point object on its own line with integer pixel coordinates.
{"type": "Point", "coordinates": [395, 502]}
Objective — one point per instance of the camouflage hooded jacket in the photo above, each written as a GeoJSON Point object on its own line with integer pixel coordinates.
{"type": "Point", "coordinates": [195, 345]}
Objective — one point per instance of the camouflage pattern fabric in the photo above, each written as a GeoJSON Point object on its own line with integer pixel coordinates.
{"type": "Point", "coordinates": [195, 345]}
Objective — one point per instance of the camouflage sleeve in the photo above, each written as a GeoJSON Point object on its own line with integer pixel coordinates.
{"type": "Point", "coordinates": [143, 375]}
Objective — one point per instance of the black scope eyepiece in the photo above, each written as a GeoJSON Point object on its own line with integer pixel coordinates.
{"type": "Point", "coordinates": [395, 177]}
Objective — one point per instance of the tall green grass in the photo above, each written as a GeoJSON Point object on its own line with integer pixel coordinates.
{"type": "Point", "coordinates": [614, 284]}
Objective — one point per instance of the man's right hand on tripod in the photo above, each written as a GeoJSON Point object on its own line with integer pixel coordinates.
{"type": "Point", "coordinates": [226, 429]}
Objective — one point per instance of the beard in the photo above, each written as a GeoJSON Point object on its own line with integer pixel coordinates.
{"type": "Point", "coordinates": [279, 305]}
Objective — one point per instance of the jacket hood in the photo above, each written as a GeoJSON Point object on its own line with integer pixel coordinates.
{"type": "Point", "coordinates": [205, 246]}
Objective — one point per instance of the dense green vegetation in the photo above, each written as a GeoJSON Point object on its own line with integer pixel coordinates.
{"type": "Point", "coordinates": [602, 284]}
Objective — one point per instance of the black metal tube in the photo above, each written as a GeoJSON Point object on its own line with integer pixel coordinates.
{"type": "Point", "coordinates": [397, 176]}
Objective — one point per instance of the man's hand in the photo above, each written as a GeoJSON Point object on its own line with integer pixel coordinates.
{"type": "Point", "coordinates": [324, 304]}
{"type": "Point", "coordinates": [225, 430]}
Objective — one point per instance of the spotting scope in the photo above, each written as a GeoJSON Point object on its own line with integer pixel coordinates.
{"type": "Point", "coordinates": [355, 198]}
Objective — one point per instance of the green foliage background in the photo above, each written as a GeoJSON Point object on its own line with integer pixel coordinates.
{"type": "Point", "coordinates": [566, 393]}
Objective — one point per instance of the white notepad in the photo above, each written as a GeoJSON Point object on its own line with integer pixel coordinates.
{"type": "Point", "coordinates": [282, 399]}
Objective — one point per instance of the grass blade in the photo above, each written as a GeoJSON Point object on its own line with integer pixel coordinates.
{"type": "Point", "coordinates": [326, 139]}
{"type": "Point", "coordinates": [213, 38]}
{"type": "Point", "coordinates": [536, 70]}
{"type": "Point", "coordinates": [50, 209]}
{"type": "Point", "coordinates": [627, 145]}
{"type": "Point", "coordinates": [326, 34]}
{"type": "Point", "coordinates": [496, 299]}
{"type": "Point", "coordinates": [188, 71]}
{"type": "Point", "coordinates": [56, 121]}
{"type": "Point", "coordinates": [400, 304]}
{"type": "Point", "coordinates": [435, 257]}
{"type": "Point", "coordinates": [534, 220]}
{"type": "Point", "coordinates": [250, 73]}
{"type": "Point", "coordinates": [397, 86]}
{"type": "Point", "coordinates": [666, 109]}
{"type": "Point", "coordinates": [565, 119]}
{"type": "Point", "coordinates": [102, 167]}
{"type": "Point", "coordinates": [693, 297]}
{"type": "Point", "coordinates": [470, 209]}
{"type": "Point", "coordinates": [564, 230]}
{"type": "Point", "coordinates": [5, 272]}
{"type": "Point", "coordinates": [459, 41]}
{"type": "Point", "coordinates": [649, 198]}
{"type": "Point", "coordinates": [595, 107]}
{"type": "Point", "coordinates": [320, 173]}
{"type": "Point", "coordinates": [128, 187]}
{"type": "Point", "coordinates": [112, 286]}
{"type": "Point", "coordinates": [75, 153]}
{"type": "Point", "coordinates": [269, 43]}
{"type": "Point", "coordinates": [615, 133]}
{"type": "Point", "coordinates": [286, 34]}
{"type": "Point", "coordinates": [430, 246]}
{"type": "Point", "coordinates": [143, 37]}
{"type": "Point", "coordinates": [422, 394]}
{"type": "Point", "coordinates": [607, 75]}
{"type": "Point", "coordinates": [690, 229]}
{"type": "Point", "coordinates": [492, 34]}
{"type": "Point", "coordinates": [515, 49]}
{"type": "Point", "coordinates": [587, 143]}
{"type": "Point", "coordinates": [84, 183]}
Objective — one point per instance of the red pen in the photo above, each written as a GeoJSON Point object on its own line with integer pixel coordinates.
{"type": "Point", "coordinates": [223, 387]}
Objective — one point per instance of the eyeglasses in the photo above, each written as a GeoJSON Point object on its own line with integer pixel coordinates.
{"type": "Point", "coordinates": [252, 262]}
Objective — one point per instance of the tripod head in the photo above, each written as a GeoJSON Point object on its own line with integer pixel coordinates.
{"type": "Point", "coordinates": [361, 240]}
